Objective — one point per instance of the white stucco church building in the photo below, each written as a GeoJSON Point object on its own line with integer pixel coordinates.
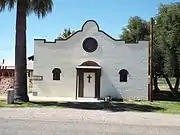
{"type": "Point", "coordinates": [91, 64]}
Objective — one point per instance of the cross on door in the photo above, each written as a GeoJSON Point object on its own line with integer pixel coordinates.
{"type": "Point", "coordinates": [89, 78]}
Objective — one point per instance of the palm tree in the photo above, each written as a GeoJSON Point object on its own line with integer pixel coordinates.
{"type": "Point", "coordinates": [24, 7]}
{"type": "Point", "coordinates": [67, 33]}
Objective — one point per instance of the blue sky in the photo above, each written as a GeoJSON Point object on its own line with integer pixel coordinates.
{"type": "Point", "coordinates": [111, 15]}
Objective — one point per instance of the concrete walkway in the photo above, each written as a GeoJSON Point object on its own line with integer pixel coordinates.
{"type": "Point", "coordinates": [37, 98]}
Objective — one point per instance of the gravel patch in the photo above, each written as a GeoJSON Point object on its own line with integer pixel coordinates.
{"type": "Point", "coordinates": [98, 116]}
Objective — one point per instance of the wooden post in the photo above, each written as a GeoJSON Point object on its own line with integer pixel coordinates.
{"type": "Point", "coordinates": [150, 97]}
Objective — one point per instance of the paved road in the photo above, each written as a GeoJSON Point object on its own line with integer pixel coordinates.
{"type": "Point", "coordinates": [48, 121]}
{"type": "Point", "coordinates": [40, 127]}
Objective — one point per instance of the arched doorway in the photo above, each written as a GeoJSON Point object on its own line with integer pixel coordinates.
{"type": "Point", "coordinates": [88, 80]}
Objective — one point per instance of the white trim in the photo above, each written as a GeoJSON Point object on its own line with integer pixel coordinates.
{"type": "Point", "coordinates": [89, 67]}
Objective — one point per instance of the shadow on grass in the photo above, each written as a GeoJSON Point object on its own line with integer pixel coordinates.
{"type": "Point", "coordinates": [165, 96]}
{"type": "Point", "coordinates": [113, 107]}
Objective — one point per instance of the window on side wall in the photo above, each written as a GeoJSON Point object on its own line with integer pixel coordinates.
{"type": "Point", "coordinates": [123, 73]}
{"type": "Point", "coordinates": [56, 74]}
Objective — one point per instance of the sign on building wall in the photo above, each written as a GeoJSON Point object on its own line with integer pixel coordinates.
{"type": "Point", "coordinates": [37, 78]}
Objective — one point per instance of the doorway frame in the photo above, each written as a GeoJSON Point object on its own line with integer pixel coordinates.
{"type": "Point", "coordinates": [80, 81]}
{"type": "Point", "coordinates": [87, 66]}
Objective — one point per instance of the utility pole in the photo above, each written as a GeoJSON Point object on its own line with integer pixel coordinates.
{"type": "Point", "coordinates": [150, 91]}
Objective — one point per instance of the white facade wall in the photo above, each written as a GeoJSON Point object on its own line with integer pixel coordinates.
{"type": "Point", "coordinates": [112, 55]}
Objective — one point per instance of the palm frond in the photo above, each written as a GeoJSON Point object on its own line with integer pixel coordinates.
{"type": "Point", "coordinates": [40, 7]}
{"type": "Point", "coordinates": [2, 5]}
{"type": "Point", "coordinates": [9, 3]}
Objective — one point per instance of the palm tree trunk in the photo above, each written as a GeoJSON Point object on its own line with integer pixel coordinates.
{"type": "Point", "coordinates": [20, 54]}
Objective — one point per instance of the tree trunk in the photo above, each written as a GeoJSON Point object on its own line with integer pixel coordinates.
{"type": "Point", "coordinates": [20, 54]}
{"type": "Point", "coordinates": [176, 87]}
{"type": "Point", "coordinates": [177, 72]}
{"type": "Point", "coordinates": [156, 88]}
{"type": "Point", "coordinates": [174, 92]}
{"type": "Point", "coordinates": [168, 82]}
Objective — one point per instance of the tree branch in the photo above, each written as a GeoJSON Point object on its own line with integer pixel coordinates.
{"type": "Point", "coordinates": [169, 83]}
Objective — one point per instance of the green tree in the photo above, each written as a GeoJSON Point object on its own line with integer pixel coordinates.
{"type": "Point", "coordinates": [136, 30]}
{"type": "Point", "coordinates": [24, 7]}
{"type": "Point", "coordinates": [158, 58]}
{"type": "Point", "coordinates": [66, 33]}
{"type": "Point", "coordinates": [168, 37]}
{"type": "Point", "coordinates": [158, 65]}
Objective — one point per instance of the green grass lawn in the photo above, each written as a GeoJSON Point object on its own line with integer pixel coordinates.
{"type": "Point", "coordinates": [4, 104]}
{"type": "Point", "coordinates": [162, 106]}
{"type": "Point", "coordinates": [163, 81]}
{"type": "Point", "coordinates": [163, 84]}
{"type": "Point", "coordinates": [143, 106]}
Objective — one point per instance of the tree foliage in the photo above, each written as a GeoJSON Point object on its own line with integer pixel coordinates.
{"type": "Point", "coordinates": [168, 38]}
{"type": "Point", "coordinates": [136, 30]}
{"type": "Point", "coordinates": [66, 33]}
{"type": "Point", "coordinates": [40, 7]}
